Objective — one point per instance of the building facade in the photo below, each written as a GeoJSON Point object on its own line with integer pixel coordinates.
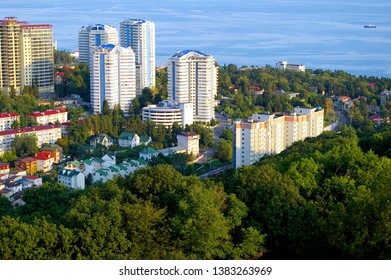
{"type": "Point", "coordinates": [192, 77]}
{"type": "Point", "coordinates": [283, 64]}
{"type": "Point", "coordinates": [26, 56]}
{"type": "Point", "coordinates": [128, 139]}
{"type": "Point", "coordinates": [385, 96]}
{"type": "Point", "coordinates": [190, 141]}
{"type": "Point", "coordinates": [93, 36]}
{"type": "Point", "coordinates": [167, 113]}
{"type": "Point", "coordinates": [7, 120]}
{"type": "Point", "coordinates": [113, 78]}
{"type": "Point", "coordinates": [46, 134]}
{"type": "Point", "coordinates": [50, 116]}
{"type": "Point", "coordinates": [267, 134]}
{"type": "Point", "coordinates": [71, 178]}
{"type": "Point", "coordinates": [140, 36]}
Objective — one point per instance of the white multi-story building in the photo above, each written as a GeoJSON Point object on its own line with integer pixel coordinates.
{"type": "Point", "coordinates": [283, 64]}
{"type": "Point", "coordinates": [192, 77]}
{"type": "Point", "coordinates": [26, 56]}
{"type": "Point", "coordinates": [93, 36]}
{"type": "Point", "coordinates": [113, 78]}
{"type": "Point", "coordinates": [7, 119]}
{"type": "Point", "coordinates": [71, 178]}
{"type": "Point", "coordinates": [266, 134]}
{"type": "Point", "coordinates": [59, 115]}
{"type": "Point", "coordinates": [46, 134]}
{"type": "Point", "coordinates": [167, 113]}
{"type": "Point", "coordinates": [190, 141]}
{"type": "Point", "coordinates": [140, 36]}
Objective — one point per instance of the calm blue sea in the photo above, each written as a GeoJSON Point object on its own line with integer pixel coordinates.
{"type": "Point", "coordinates": [325, 34]}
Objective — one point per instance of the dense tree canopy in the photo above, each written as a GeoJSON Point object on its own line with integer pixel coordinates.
{"type": "Point", "coordinates": [154, 214]}
{"type": "Point", "coordinates": [321, 198]}
{"type": "Point", "coordinates": [25, 145]}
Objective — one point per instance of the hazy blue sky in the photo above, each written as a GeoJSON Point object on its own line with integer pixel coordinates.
{"type": "Point", "coordinates": [320, 34]}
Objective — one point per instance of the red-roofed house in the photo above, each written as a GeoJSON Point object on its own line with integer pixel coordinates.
{"type": "Point", "coordinates": [343, 98]}
{"type": "Point", "coordinates": [44, 162]}
{"type": "Point", "coordinates": [53, 151]}
{"type": "Point", "coordinates": [58, 77]}
{"type": "Point", "coordinates": [50, 116]}
{"type": "Point", "coordinates": [7, 119]}
{"type": "Point", "coordinates": [376, 118]}
{"type": "Point", "coordinates": [4, 168]}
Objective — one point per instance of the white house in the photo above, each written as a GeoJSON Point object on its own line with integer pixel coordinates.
{"type": "Point", "coordinates": [44, 162]}
{"type": "Point", "coordinates": [190, 141]}
{"type": "Point", "coordinates": [71, 178]}
{"type": "Point", "coordinates": [148, 153]}
{"type": "Point", "coordinates": [123, 169]}
{"type": "Point", "coordinates": [128, 139]}
{"type": "Point", "coordinates": [145, 140]}
{"type": "Point", "coordinates": [101, 139]}
{"type": "Point", "coordinates": [108, 160]}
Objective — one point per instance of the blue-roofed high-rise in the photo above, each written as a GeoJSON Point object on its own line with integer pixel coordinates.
{"type": "Point", "coordinates": [140, 36]}
{"type": "Point", "coordinates": [113, 78]}
{"type": "Point", "coordinates": [192, 77]}
{"type": "Point", "coordinates": [93, 36]}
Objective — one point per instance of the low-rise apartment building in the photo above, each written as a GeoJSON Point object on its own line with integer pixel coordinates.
{"type": "Point", "coordinates": [46, 134]}
{"type": "Point", "coordinates": [7, 120]}
{"type": "Point", "coordinates": [167, 112]}
{"type": "Point", "coordinates": [50, 116]}
{"type": "Point", "coordinates": [266, 134]}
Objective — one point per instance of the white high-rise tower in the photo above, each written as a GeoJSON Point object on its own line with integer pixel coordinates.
{"type": "Point", "coordinates": [93, 36]}
{"type": "Point", "coordinates": [113, 78]}
{"type": "Point", "coordinates": [140, 36]}
{"type": "Point", "coordinates": [192, 77]}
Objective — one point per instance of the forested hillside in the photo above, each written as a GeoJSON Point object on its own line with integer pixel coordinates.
{"type": "Point", "coordinates": [322, 198]}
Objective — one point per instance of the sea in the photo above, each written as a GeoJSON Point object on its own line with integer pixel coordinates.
{"type": "Point", "coordinates": [325, 34]}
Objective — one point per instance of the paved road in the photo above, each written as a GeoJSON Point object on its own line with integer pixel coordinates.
{"type": "Point", "coordinates": [208, 153]}
{"type": "Point", "coordinates": [343, 115]}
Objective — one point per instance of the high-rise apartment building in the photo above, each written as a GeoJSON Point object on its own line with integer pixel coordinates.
{"type": "Point", "coordinates": [140, 36]}
{"type": "Point", "coordinates": [192, 77]}
{"type": "Point", "coordinates": [113, 77]}
{"type": "Point", "coordinates": [267, 134]}
{"type": "Point", "coordinates": [26, 56]}
{"type": "Point", "coordinates": [93, 36]}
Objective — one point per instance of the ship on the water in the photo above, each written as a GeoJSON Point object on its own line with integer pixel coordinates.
{"type": "Point", "coordinates": [369, 26]}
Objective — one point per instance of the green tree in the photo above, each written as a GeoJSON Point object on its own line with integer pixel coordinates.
{"type": "Point", "coordinates": [224, 150]}
{"type": "Point", "coordinates": [39, 240]}
{"type": "Point", "coordinates": [226, 134]}
{"type": "Point", "coordinates": [25, 145]}
{"type": "Point", "coordinates": [8, 156]}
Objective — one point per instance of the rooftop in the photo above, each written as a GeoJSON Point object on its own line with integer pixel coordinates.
{"type": "Point", "coordinates": [10, 114]}
{"type": "Point", "coordinates": [68, 173]}
{"type": "Point", "coordinates": [134, 21]}
{"type": "Point", "coordinates": [29, 129]}
{"type": "Point", "coordinates": [148, 151]}
{"type": "Point", "coordinates": [186, 52]}
{"type": "Point", "coordinates": [126, 135]}
{"type": "Point", "coordinates": [48, 113]}
{"type": "Point", "coordinates": [107, 47]}
{"type": "Point", "coordinates": [190, 133]}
